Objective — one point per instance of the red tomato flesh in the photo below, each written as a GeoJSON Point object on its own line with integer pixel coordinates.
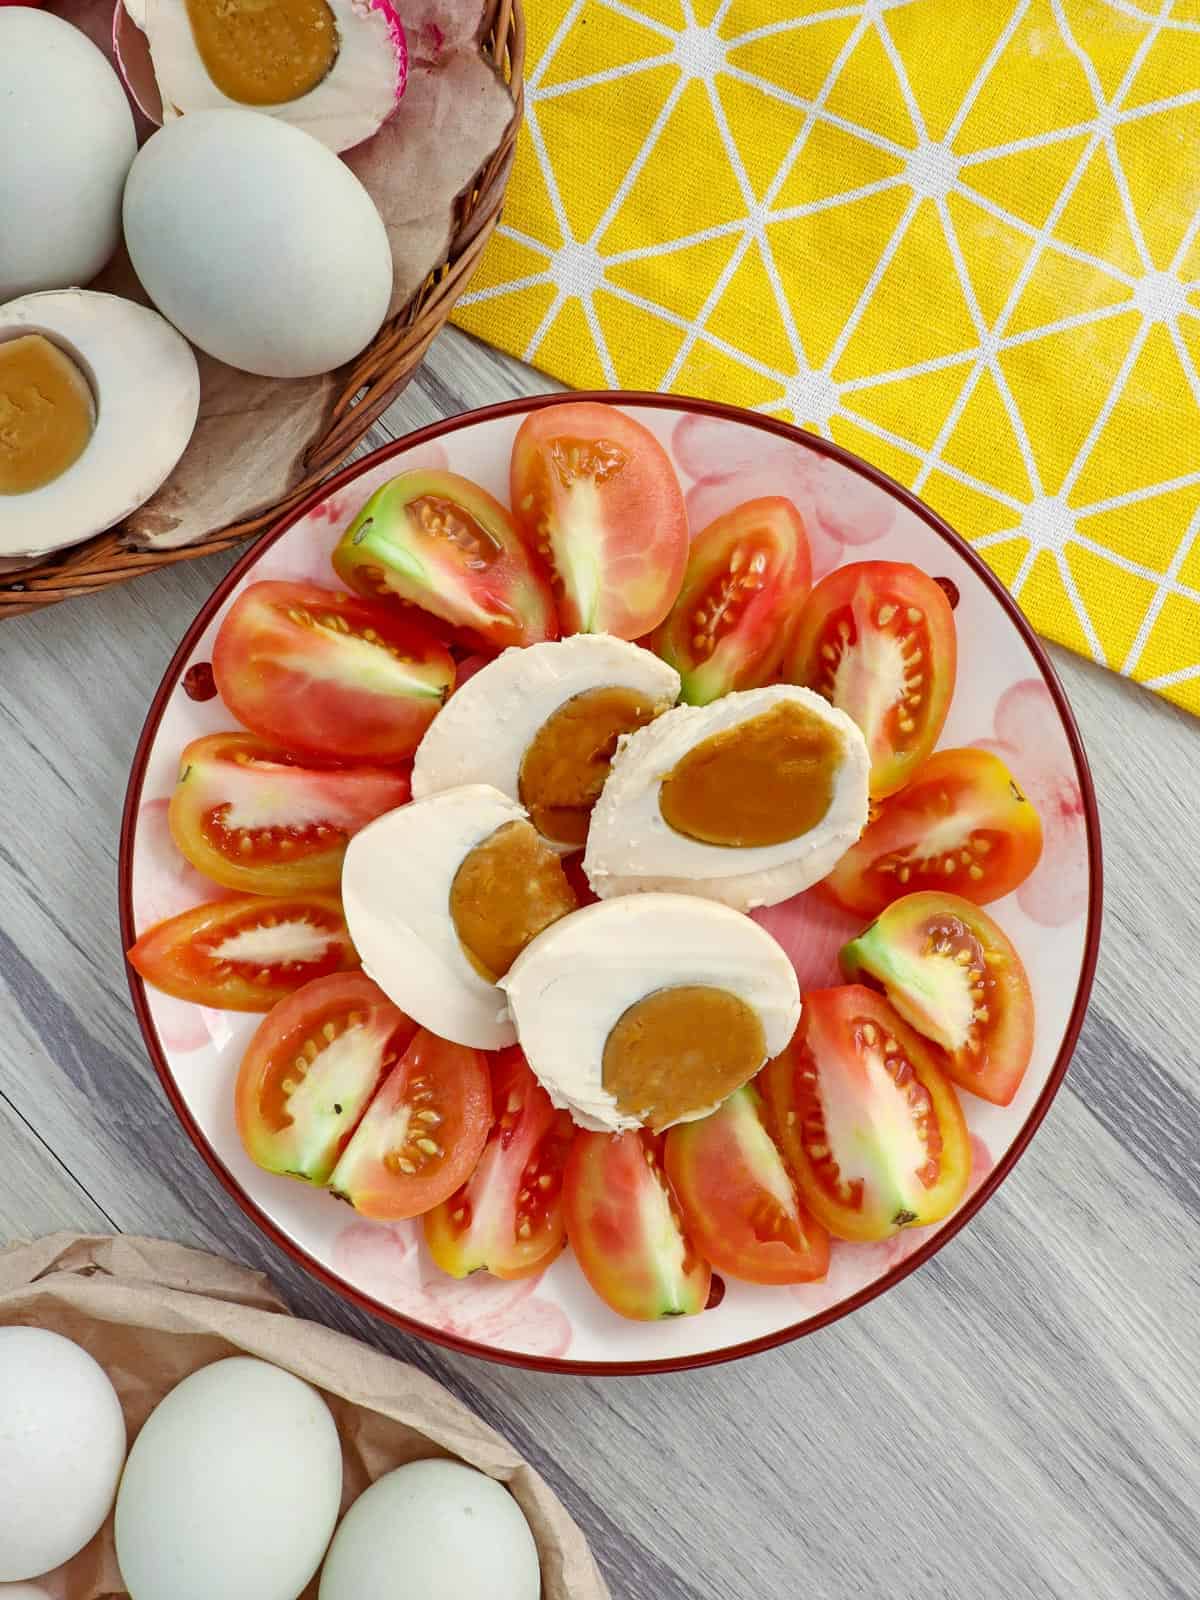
{"type": "Point", "coordinates": [877, 639]}
{"type": "Point", "coordinates": [870, 1126]}
{"type": "Point", "coordinates": [247, 952]}
{"type": "Point", "coordinates": [739, 1199]}
{"type": "Point", "coordinates": [597, 501]}
{"type": "Point", "coordinates": [328, 674]}
{"type": "Point", "coordinates": [311, 1070]}
{"type": "Point", "coordinates": [507, 1219]}
{"type": "Point", "coordinates": [962, 825]}
{"type": "Point", "coordinates": [954, 974]}
{"type": "Point", "coordinates": [626, 1230]}
{"type": "Point", "coordinates": [421, 1135]}
{"type": "Point", "coordinates": [250, 816]}
{"type": "Point", "coordinates": [442, 543]}
{"type": "Point", "coordinates": [747, 574]}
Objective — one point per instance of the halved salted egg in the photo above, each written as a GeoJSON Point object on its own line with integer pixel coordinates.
{"type": "Point", "coordinates": [336, 68]}
{"type": "Point", "coordinates": [748, 800]}
{"type": "Point", "coordinates": [650, 1010]}
{"type": "Point", "coordinates": [441, 896]}
{"type": "Point", "coordinates": [98, 399]}
{"type": "Point", "coordinates": [541, 724]}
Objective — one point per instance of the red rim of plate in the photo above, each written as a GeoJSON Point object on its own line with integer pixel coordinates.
{"type": "Point", "coordinates": [784, 430]}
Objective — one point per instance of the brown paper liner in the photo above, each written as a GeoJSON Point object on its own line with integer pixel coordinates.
{"type": "Point", "coordinates": [151, 1313]}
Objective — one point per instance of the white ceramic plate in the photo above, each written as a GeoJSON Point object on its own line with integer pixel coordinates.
{"type": "Point", "coordinates": [1007, 699]}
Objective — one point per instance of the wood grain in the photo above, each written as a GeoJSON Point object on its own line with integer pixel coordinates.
{"type": "Point", "coordinates": [1018, 1419]}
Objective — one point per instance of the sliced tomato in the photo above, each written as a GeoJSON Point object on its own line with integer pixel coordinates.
{"type": "Point", "coordinates": [250, 816]}
{"type": "Point", "coordinates": [507, 1219]}
{"type": "Point", "coordinates": [962, 825]}
{"type": "Point", "coordinates": [247, 952]}
{"type": "Point", "coordinates": [597, 500]}
{"type": "Point", "coordinates": [953, 973]}
{"type": "Point", "coordinates": [442, 543]}
{"type": "Point", "coordinates": [877, 639]}
{"type": "Point", "coordinates": [747, 574]}
{"type": "Point", "coordinates": [868, 1122]}
{"type": "Point", "coordinates": [626, 1229]}
{"type": "Point", "coordinates": [739, 1199]}
{"type": "Point", "coordinates": [311, 1070]}
{"type": "Point", "coordinates": [329, 674]}
{"type": "Point", "coordinates": [422, 1133]}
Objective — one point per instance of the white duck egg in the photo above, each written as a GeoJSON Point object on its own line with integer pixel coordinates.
{"type": "Point", "coordinates": [62, 1447]}
{"type": "Point", "coordinates": [650, 1010]}
{"type": "Point", "coordinates": [748, 800]}
{"type": "Point", "coordinates": [232, 1488]}
{"type": "Point", "coordinates": [541, 723]}
{"type": "Point", "coordinates": [433, 1530]}
{"type": "Point", "coordinates": [257, 243]}
{"type": "Point", "coordinates": [98, 400]}
{"type": "Point", "coordinates": [66, 144]}
{"type": "Point", "coordinates": [441, 895]}
{"type": "Point", "coordinates": [335, 68]}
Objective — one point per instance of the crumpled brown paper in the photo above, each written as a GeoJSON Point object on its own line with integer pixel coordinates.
{"type": "Point", "coordinates": [252, 433]}
{"type": "Point", "coordinates": [152, 1312]}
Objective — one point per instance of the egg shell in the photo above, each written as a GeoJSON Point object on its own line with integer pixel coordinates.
{"type": "Point", "coordinates": [483, 731]}
{"type": "Point", "coordinates": [257, 243]}
{"type": "Point", "coordinates": [232, 1488]}
{"type": "Point", "coordinates": [433, 1530]}
{"type": "Point", "coordinates": [632, 848]}
{"type": "Point", "coordinates": [62, 1446]}
{"type": "Point", "coordinates": [66, 144]}
{"type": "Point", "coordinates": [146, 385]}
{"type": "Point", "coordinates": [396, 882]}
{"type": "Point", "coordinates": [167, 77]}
{"type": "Point", "coordinates": [570, 986]}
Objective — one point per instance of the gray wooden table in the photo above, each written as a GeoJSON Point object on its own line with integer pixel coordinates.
{"type": "Point", "coordinates": [1020, 1418]}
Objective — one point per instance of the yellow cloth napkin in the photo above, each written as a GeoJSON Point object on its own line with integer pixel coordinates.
{"type": "Point", "coordinates": [961, 237]}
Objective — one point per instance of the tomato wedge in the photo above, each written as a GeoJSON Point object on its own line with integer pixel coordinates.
{"type": "Point", "coordinates": [246, 953]}
{"type": "Point", "coordinates": [747, 574]}
{"type": "Point", "coordinates": [962, 825]}
{"type": "Point", "coordinates": [311, 1070]}
{"type": "Point", "coordinates": [250, 816]}
{"type": "Point", "coordinates": [444, 544]}
{"type": "Point", "coordinates": [877, 639]}
{"type": "Point", "coordinates": [507, 1219]}
{"type": "Point", "coordinates": [329, 674]}
{"type": "Point", "coordinates": [626, 1229]}
{"type": "Point", "coordinates": [870, 1126]}
{"type": "Point", "coordinates": [953, 973]}
{"type": "Point", "coordinates": [739, 1199]}
{"type": "Point", "coordinates": [421, 1135]}
{"type": "Point", "coordinates": [596, 498]}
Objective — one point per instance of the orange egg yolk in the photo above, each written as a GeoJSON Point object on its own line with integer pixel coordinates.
{"type": "Point", "coordinates": [765, 781]}
{"type": "Point", "coordinates": [264, 52]}
{"type": "Point", "coordinates": [504, 893]}
{"type": "Point", "coordinates": [564, 768]}
{"type": "Point", "coordinates": [679, 1051]}
{"type": "Point", "coordinates": [47, 413]}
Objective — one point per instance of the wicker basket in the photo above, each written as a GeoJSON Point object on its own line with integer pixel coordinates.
{"type": "Point", "coordinates": [370, 386]}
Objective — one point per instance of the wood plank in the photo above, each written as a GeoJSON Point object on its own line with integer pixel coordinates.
{"type": "Point", "coordinates": [1019, 1419]}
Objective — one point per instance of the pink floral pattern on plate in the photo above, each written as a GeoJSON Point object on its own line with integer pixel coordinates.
{"type": "Point", "coordinates": [721, 463]}
{"type": "Point", "coordinates": [1028, 738]}
{"type": "Point", "coordinates": [387, 1261]}
{"type": "Point", "coordinates": [732, 465]}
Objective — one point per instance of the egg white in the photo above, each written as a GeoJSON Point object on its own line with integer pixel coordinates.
{"type": "Point", "coordinates": [632, 848]}
{"type": "Point", "coordinates": [146, 386]}
{"type": "Point", "coordinates": [484, 729]}
{"type": "Point", "coordinates": [396, 882]}
{"type": "Point", "coordinates": [568, 988]}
